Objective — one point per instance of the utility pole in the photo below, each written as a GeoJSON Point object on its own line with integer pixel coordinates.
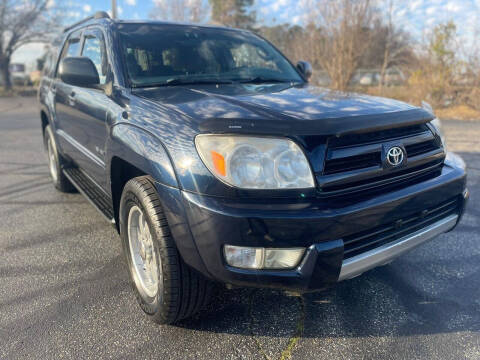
{"type": "Point", "coordinates": [114, 9]}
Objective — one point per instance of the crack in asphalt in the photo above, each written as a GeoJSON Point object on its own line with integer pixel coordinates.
{"type": "Point", "coordinates": [250, 326]}
{"type": "Point", "coordinates": [286, 353]}
{"type": "Point", "coordinates": [292, 343]}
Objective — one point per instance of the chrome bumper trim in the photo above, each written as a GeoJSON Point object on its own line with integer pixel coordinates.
{"type": "Point", "coordinates": [358, 264]}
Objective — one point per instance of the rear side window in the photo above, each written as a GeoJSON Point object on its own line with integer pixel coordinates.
{"type": "Point", "coordinates": [94, 49]}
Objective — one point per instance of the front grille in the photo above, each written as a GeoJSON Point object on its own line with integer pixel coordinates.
{"type": "Point", "coordinates": [421, 148]}
{"type": "Point", "coordinates": [354, 162]}
{"type": "Point", "coordinates": [373, 238]}
{"type": "Point", "coordinates": [388, 178]}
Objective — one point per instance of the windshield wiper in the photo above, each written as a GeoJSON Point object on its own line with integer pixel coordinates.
{"type": "Point", "coordinates": [264, 80]}
{"type": "Point", "coordinates": [180, 81]}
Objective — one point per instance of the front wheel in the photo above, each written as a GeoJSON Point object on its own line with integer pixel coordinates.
{"type": "Point", "coordinates": [165, 287]}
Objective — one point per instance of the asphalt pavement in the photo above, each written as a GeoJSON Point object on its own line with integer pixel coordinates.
{"type": "Point", "coordinates": [64, 290]}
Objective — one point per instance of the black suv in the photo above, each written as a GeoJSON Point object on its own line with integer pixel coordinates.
{"type": "Point", "coordinates": [217, 162]}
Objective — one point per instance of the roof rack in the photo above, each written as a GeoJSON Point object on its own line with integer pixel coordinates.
{"type": "Point", "coordinates": [97, 15]}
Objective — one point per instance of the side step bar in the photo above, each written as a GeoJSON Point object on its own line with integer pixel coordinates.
{"type": "Point", "coordinates": [94, 195]}
{"type": "Point", "coordinates": [356, 265]}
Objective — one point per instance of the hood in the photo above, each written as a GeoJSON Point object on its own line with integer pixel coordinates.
{"type": "Point", "coordinates": [282, 108]}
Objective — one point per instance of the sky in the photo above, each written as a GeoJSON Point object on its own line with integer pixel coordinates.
{"type": "Point", "coordinates": [415, 16]}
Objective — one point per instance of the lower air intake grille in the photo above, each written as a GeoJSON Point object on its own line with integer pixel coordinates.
{"type": "Point", "coordinates": [370, 239]}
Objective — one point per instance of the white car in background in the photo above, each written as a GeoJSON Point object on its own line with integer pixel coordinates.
{"type": "Point", "coordinates": [19, 75]}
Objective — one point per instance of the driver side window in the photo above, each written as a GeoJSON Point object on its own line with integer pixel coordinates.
{"type": "Point", "coordinates": [71, 47]}
{"type": "Point", "coordinates": [94, 49]}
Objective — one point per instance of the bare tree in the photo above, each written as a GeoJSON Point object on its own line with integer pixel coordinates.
{"type": "Point", "coordinates": [194, 11]}
{"type": "Point", "coordinates": [396, 43]}
{"type": "Point", "coordinates": [342, 36]}
{"type": "Point", "coordinates": [470, 52]}
{"type": "Point", "coordinates": [473, 57]}
{"type": "Point", "coordinates": [22, 22]}
{"type": "Point", "coordinates": [389, 39]}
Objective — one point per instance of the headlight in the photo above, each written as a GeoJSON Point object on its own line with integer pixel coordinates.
{"type": "Point", "coordinates": [436, 124]}
{"type": "Point", "coordinates": [255, 162]}
{"type": "Point", "coordinates": [438, 129]}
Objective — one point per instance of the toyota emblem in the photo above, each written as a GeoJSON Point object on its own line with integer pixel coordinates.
{"type": "Point", "coordinates": [395, 156]}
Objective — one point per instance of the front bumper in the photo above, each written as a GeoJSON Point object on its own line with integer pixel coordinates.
{"type": "Point", "coordinates": [319, 225]}
{"type": "Point", "coordinates": [356, 265]}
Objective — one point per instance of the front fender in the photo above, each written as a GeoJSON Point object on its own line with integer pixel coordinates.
{"type": "Point", "coordinates": [146, 152]}
{"type": "Point", "coordinates": [142, 150]}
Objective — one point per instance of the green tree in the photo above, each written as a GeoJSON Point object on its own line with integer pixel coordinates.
{"type": "Point", "coordinates": [234, 13]}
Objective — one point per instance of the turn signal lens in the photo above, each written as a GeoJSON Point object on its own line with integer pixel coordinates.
{"type": "Point", "coordinates": [219, 163]}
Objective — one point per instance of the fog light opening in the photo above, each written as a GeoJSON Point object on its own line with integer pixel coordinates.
{"type": "Point", "coordinates": [262, 258]}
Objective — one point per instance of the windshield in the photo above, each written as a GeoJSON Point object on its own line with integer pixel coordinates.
{"type": "Point", "coordinates": [157, 55]}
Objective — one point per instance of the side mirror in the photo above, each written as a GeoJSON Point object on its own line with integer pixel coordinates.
{"type": "Point", "coordinates": [305, 69]}
{"type": "Point", "coordinates": [79, 71]}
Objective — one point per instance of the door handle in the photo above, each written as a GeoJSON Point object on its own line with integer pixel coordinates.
{"type": "Point", "coordinates": [71, 98]}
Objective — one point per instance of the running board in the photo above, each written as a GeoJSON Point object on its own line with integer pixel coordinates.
{"type": "Point", "coordinates": [94, 195]}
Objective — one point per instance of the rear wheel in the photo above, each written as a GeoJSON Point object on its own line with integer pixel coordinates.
{"type": "Point", "coordinates": [55, 163]}
{"type": "Point", "coordinates": [165, 287]}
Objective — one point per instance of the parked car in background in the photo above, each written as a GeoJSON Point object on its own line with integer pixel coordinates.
{"type": "Point", "coordinates": [366, 77]}
{"type": "Point", "coordinates": [218, 162]}
{"type": "Point", "coordinates": [19, 75]}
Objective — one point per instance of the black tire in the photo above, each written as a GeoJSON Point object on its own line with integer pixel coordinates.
{"type": "Point", "coordinates": [182, 291]}
{"type": "Point", "coordinates": [60, 181]}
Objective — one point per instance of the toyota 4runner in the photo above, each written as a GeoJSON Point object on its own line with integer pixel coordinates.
{"type": "Point", "coordinates": [218, 162]}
